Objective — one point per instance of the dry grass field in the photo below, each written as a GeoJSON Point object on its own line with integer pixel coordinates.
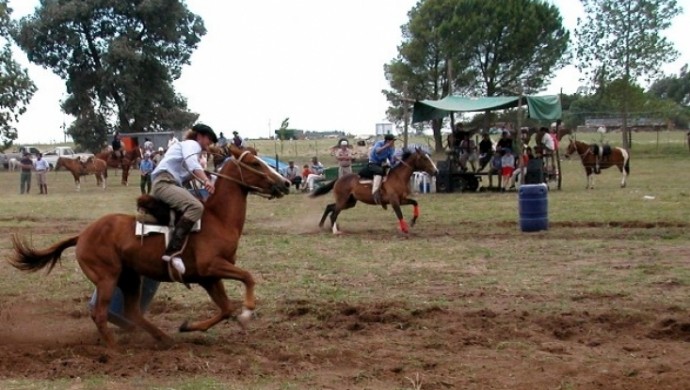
{"type": "Point", "coordinates": [466, 301]}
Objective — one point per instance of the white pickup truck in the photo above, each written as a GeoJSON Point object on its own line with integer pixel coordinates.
{"type": "Point", "coordinates": [63, 151]}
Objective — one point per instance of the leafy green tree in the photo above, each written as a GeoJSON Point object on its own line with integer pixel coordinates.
{"type": "Point", "coordinates": [118, 58]}
{"type": "Point", "coordinates": [676, 88]}
{"type": "Point", "coordinates": [622, 40]}
{"type": "Point", "coordinates": [16, 88]}
{"type": "Point", "coordinates": [477, 47]}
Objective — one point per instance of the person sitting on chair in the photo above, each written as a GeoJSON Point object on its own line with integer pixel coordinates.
{"type": "Point", "coordinates": [315, 173]}
{"type": "Point", "coordinates": [179, 166]}
{"type": "Point", "coordinates": [380, 156]}
{"type": "Point", "coordinates": [292, 173]}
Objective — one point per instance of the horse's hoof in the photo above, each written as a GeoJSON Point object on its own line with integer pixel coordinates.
{"type": "Point", "coordinates": [185, 327]}
{"type": "Point", "coordinates": [244, 318]}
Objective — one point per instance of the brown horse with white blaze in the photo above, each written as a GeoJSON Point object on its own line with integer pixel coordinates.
{"type": "Point", "coordinates": [110, 254]}
{"type": "Point", "coordinates": [394, 191]}
{"type": "Point", "coordinates": [593, 159]}
{"type": "Point", "coordinates": [92, 166]}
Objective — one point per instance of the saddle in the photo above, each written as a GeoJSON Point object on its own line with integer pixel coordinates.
{"type": "Point", "coordinates": [601, 151]}
{"type": "Point", "coordinates": [155, 216]}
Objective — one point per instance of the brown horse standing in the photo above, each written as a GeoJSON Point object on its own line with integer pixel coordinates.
{"type": "Point", "coordinates": [394, 190]}
{"type": "Point", "coordinates": [111, 255]}
{"type": "Point", "coordinates": [619, 157]}
{"type": "Point", "coordinates": [125, 162]}
{"type": "Point", "coordinates": [92, 166]}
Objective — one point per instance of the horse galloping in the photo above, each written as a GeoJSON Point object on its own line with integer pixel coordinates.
{"type": "Point", "coordinates": [595, 157]}
{"type": "Point", "coordinates": [123, 161]}
{"type": "Point", "coordinates": [394, 190]}
{"type": "Point", "coordinates": [110, 254]}
{"type": "Point", "coordinates": [92, 166]}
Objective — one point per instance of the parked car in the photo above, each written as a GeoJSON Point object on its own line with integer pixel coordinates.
{"type": "Point", "coordinates": [63, 151]}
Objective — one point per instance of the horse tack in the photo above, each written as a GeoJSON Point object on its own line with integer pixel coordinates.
{"type": "Point", "coordinates": [110, 255]}
{"type": "Point", "coordinates": [348, 190]}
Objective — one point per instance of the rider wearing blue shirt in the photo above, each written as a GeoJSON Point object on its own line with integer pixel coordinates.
{"type": "Point", "coordinates": [381, 155]}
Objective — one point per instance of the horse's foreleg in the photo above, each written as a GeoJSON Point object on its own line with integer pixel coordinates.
{"type": "Point", "coordinates": [131, 292]}
{"type": "Point", "coordinates": [625, 175]}
{"type": "Point", "coordinates": [216, 291]}
{"type": "Point", "coordinates": [401, 220]}
{"type": "Point", "coordinates": [224, 269]}
{"type": "Point", "coordinates": [415, 209]}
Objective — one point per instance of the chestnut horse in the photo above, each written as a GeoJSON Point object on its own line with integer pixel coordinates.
{"type": "Point", "coordinates": [594, 162]}
{"type": "Point", "coordinates": [92, 166]}
{"type": "Point", "coordinates": [111, 255]}
{"type": "Point", "coordinates": [394, 190]}
{"type": "Point", "coordinates": [125, 162]}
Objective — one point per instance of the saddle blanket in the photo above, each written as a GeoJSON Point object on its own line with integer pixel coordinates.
{"type": "Point", "coordinates": [144, 229]}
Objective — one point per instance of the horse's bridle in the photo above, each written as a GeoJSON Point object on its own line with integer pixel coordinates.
{"type": "Point", "coordinates": [242, 182]}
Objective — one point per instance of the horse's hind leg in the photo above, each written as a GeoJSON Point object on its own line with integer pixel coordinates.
{"type": "Point", "coordinates": [350, 203]}
{"type": "Point", "coordinates": [624, 173]}
{"type": "Point", "coordinates": [216, 291]}
{"type": "Point", "coordinates": [130, 284]}
{"type": "Point", "coordinates": [99, 313]}
{"type": "Point", "coordinates": [329, 209]}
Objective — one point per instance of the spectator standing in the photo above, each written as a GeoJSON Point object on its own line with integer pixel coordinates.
{"type": "Point", "coordinates": [148, 145]}
{"type": "Point", "coordinates": [41, 166]}
{"type": "Point", "coordinates": [158, 156]}
{"type": "Point", "coordinates": [146, 167]}
{"type": "Point", "coordinates": [25, 165]}
{"type": "Point", "coordinates": [344, 157]}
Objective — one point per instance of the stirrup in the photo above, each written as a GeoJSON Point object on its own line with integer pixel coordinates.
{"type": "Point", "coordinates": [176, 262]}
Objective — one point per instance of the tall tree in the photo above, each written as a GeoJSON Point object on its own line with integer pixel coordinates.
{"type": "Point", "coordinates": [676, 88]}
{"type": "Point", "coordinates": [492, 48]}
{"type": "Point", "coordinates": [118, 58]}
{"type": "Point", "coordinates": [16, 88]}
{"type": "Point", "coordinates": [622, 40]}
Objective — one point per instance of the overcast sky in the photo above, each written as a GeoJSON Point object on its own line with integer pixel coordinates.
{"type": "Point", "coordinates": [320, 63]}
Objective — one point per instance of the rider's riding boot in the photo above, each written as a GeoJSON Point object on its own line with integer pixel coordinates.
{"type": "Point", "coordinates": [178, 237]}
{"type": "Point", "coordinates": [376, 188]}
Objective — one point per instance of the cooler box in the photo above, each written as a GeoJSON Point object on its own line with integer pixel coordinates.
{"type": "Point", "coordinates": [533, 207]}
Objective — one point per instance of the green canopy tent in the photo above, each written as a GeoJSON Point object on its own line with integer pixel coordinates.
{"type": "Point", "coordinates": [542, 108]}
{"type": "Point", "coordinates": [546, 108]}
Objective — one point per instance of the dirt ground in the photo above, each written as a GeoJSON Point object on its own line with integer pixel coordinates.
{"type": "Point", "coordinates": [377, 345]}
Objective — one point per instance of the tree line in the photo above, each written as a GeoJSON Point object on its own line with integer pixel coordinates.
{"type": "Point", "coordinates": [512, 47]}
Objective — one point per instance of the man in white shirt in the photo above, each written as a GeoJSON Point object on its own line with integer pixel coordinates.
{"type": "Point", "coordinates": [179, 166]}
{"type": "Point", "coordinates": [41, 166]}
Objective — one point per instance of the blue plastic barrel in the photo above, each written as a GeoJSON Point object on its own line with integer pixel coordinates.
{"type": "Point", "coordinates": [116, 311]}
{"type": "Point", "coordinates": [533, 206]}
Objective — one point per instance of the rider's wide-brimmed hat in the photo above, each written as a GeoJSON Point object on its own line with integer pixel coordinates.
{"type": "Point", "coordinates": [206, 130]}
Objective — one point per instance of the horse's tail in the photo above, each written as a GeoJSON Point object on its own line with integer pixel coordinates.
{"type": "Point", "coordinates": [26, 258]}
{"type": "Point", "coordinates": [323, 190]}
